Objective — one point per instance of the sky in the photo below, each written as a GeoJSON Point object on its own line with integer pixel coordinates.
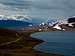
{"type": "Point", "coordinates": [38, 8]}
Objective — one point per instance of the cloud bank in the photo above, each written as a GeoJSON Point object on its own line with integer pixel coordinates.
{"type": "Point", "coordinates": [38, 8]}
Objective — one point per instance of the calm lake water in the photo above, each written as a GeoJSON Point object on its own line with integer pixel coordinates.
{"type": "Point", "coordinates": [58, 42]}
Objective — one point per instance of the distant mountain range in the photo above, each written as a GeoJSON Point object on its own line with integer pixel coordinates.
{"type": "Point", "coordinates": [25, 21]}
{"type": "Point", "coordinates": [30, 19]}
{"type": "Point", "coordinates": [15, 21]}
{"type": "Point", "coordinates": [14, 24]}
{"type": "Point", "coordinates": [17, 17]}
{"type": "Point", "coordinates": [18, 22]}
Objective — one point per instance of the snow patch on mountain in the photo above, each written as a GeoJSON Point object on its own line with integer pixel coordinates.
{"type": "Point", "coordinates": [16, 17]}
{"type": "Point", "coordinates": [54, 21]}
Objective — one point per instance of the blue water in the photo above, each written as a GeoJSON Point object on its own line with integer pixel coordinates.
{"type": "Point", "coordinates": [56, 42]}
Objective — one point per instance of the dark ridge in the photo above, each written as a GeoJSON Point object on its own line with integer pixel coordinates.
{"type": "Point", "coordinates": [13, 23]}
{"type": "Point", "coordinates": [71, 20]}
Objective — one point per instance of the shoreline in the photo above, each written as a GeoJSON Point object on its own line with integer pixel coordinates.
{"type": "Point", "coordinates": [23, 47]}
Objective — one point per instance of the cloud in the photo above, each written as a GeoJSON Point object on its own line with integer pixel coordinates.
{"type": "Point", "coordinates": [38, 8]}
{"type": "Point", "coordinates": [10, 7]}
{"type": "Point", "coordinates": [56, 7]}
{"type": "Point", "coordinates": [21, 4]}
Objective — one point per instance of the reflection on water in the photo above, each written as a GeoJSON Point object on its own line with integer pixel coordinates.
{"type": "Point", "coordinates": [56, 42]}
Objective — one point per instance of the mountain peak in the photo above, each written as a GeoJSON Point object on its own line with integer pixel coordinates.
{"type": "Point", "coordinates": [16, 17]}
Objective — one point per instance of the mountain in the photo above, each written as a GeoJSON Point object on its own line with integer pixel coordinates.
{"type": "Point", "coordinates": [71, 20]}
{"type": "Point", "coordinates": [27, 19]}
{"type": "Point", "coordinates": [54, 21]}
{"type": "Point", "coordinates": [15, 21]}
{"type": "Point", "coordinates": [13, 24]}
{"type": "Point", "coordinates": [16, 17]}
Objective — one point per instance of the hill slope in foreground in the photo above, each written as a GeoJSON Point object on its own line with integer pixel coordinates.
{"type": "Point", "coordinates": [19, 43]}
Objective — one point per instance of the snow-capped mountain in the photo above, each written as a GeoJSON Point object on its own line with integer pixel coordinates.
{"type": "Point", "coordinates": [51, 22]}
{"type": "Point", "coordinates": [15, 21]}
{"type": "Point", "coordinates": [54, 21]}
{"type": "Point", "coordinates": [26, 18]}
{"type": "Point", "coordinates": [40, 21]}
{"type": "Point", "coordinates": [17, 17]}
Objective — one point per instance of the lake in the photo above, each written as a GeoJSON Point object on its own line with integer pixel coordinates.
{"type": "Point", "coordinates": [58, 42]}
